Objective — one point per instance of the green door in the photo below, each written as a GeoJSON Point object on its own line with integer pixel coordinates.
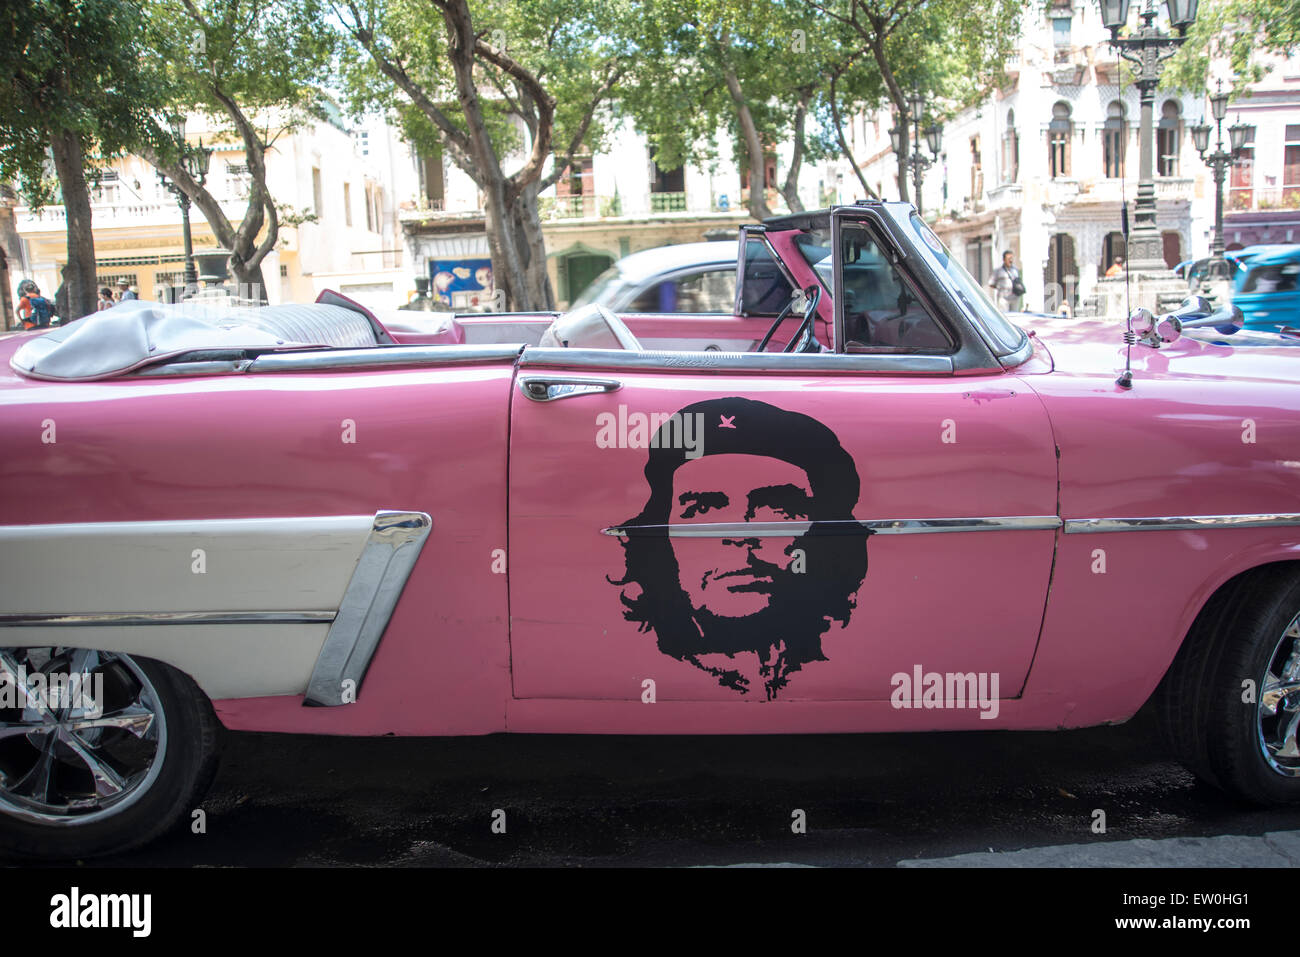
{"type": "Point", "coordinates": [582, 269]}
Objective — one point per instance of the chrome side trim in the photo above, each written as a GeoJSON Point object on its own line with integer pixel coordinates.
{"type": "Point", "coordinates": [387, 558]}
{"type": "Point", "coordinates": [170, 618]}
{"type": "Point", "coordinates": [1076, 526]}
{"type": "Point", "coordinates": [381, 357]}
{"type": "Point", "coordinates": [538, 357]}
{"type": "Point", "coordinates": [1020, 356]}
{"type": "Point", "coordinates": [206, 367]}
{"type": "Point", "coordinates": [897, 526]}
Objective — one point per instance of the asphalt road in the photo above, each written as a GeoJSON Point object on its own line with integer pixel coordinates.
{"type": "Point", "coordinates": [872, 800]}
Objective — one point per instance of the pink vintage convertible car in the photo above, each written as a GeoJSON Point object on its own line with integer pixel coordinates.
{"type": "Point", "coordinates": [890, 510]}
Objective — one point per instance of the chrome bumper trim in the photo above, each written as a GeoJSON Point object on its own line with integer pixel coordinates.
{"type": "Point", "coordinates": [387, 558]}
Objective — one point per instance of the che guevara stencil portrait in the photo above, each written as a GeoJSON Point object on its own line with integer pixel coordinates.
{"type": "Point", "coordinates": [711, 567]}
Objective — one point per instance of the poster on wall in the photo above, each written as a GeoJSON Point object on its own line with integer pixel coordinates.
{"type": "Point", "coordinates": [463, 284]}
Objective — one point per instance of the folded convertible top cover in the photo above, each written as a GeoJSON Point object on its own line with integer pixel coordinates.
{"type": "Point", "coordinates": [136, 333]}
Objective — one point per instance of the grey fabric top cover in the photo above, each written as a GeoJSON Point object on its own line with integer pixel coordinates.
{"type": "Point", "coordinates": [135, 333]}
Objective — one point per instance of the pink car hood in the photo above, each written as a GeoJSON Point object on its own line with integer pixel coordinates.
{"type": "Point", "coordinates": [1093, 347]}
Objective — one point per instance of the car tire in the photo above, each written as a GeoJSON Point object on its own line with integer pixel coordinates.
{"type": "Point", "coordinates": [1219, 706]}
{"type": "Point", "coordinates": [176, 773]}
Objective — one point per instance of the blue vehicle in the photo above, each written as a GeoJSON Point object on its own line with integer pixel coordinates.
{"type": "Point", "coordinates": [1267, 290]}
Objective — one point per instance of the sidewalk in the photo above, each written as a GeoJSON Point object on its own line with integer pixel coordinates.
{"type": "Point", "coordinates": [1274, 849]}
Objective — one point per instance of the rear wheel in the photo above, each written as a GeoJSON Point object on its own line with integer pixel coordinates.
{"type": "Point", "coordinates": [99, 752]}
{"type": "Point", "coordinates": [1230, 704]}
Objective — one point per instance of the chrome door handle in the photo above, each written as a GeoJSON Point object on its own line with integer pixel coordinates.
{"type": "Point", "coordinates": [550, 388]}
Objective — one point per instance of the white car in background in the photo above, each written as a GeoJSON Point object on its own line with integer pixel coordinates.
{"type": "Point", "coordinates": [694, 279]}
{"type": "Point", "coordinates": [690, 277]}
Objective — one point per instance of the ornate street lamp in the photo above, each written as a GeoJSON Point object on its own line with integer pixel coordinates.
{"type": "Point", "coordinates": [1219, 161]}
{"type": "Point", "coordinates": [933, 138]}
{"type": "Point", "coordinates": [1147, 49]}
{"type": "Point", "coordinates": [916, 161]}
{"type": "Point", "coordinates": [195, 160]}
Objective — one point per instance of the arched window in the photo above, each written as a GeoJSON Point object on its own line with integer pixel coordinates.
{"type": "Point", "coordinates": [1168, 136]}
{"type": "Point", "coordinates": [1010, 150]}
{"type": "Point", "coordinates": [1059, 133]}
{"type": "Point", "coordinates": [1114, 135]}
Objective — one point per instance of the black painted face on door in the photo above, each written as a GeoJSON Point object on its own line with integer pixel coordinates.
{"type": "Point", "coordinates": [750, 602]}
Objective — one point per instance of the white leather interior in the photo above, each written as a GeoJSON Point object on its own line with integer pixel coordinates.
{"type": "Point", "coordinates": [589, 327]}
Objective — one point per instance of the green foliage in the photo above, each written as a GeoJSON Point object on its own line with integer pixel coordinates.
{"type": "Point", "coordinates": [779, 52]}
{"type": "Point", "coordinates": [70, 65]}
{"type": "Point", "coordinates": [1235, 30]}
{"type": "Point", "coordinates": [572, 47]}
{"type": "Point", "coordinates": [267, 56]}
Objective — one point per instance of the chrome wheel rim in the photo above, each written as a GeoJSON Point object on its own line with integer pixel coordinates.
{"type": "Point", "coordinates": [1278, 710]}
{"type": "Point", "coordinates": [82, 734]}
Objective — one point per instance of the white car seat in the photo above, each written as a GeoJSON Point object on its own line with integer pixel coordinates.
{"type": "Point", "coordinates": [589, 327]}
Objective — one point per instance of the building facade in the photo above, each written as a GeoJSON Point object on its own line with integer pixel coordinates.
{"type": "Point", "coordinates": [336, 188]}
{"type": "Point", "coordinates": [1262, 199]}
{"type": "Point", "coordinates": [1043, 166]}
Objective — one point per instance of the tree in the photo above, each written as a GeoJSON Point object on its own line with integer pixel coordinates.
{"type": "Point", "coordinates": [1235, 30]}
{"type": "Point", "coordinates": [755, 68]}
{"type": "Point", "coordinates": [252, 64]}
{"type": "Point", "coordinates": [501, 84]}
{"type": "Point", "coordinates": [954, 51]}
{"type": "Point", "coordinates": [70, 85]}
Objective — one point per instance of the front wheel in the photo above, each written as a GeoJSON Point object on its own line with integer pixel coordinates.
{"type": "Point", "coordinates": [1230, 704]}
{"type": "Point", "coordinates": [99, 752]}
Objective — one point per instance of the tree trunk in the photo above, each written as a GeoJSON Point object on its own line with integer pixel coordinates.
{"type": "Point", "coordinates": [790, 190]}
{"type": "Point", "coordinates": [518, 252]}
{"type": "Point", "coordinates": [248, 279]}
{"type": "Point", "coordinates": [839, 134]}
{"type": "Point", "coordinates": [758, 207]}
{"type": "Point", "coordinates": [70, 162]}
{"type": "Point", "coordinates": [532, 250]}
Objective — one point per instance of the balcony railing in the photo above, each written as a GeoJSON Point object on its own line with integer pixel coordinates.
{"type": "Point", "coordinates": [1262, 199]}
{"type": "Point", "coordinates": [116, 214]}
{"type": "Point", "coordinates": [575, 207]}
{"type": "Point", "coordinates": [667, 202]}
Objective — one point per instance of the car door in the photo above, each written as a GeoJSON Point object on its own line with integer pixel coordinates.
{"type": "Point", "coordinates": [777, 527]}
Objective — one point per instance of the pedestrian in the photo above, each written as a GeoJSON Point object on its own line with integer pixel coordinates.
{"type": "Point", "coordinates": [124, 291]}
{"type": "Point", "coordinates": [106, 300]}
{"type": "Point", "coordinates": [34, 310]}
{"type": "Point", "coordinates": [1116, 268]}
{"type": "Point", "coordinates": [1007, 285]}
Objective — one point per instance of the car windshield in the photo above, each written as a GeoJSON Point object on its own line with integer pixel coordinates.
{"type": "Point", "coordinates": [999, 331]}
{"type": "Point", "coordinates": [1276, 277]}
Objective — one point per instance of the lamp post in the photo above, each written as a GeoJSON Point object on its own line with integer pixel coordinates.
{"type": "Point", "coordinates": [915, 159]}
{"type": "Point", "coordinates": [1147, 49]}
{"type": "Point", "coordinates": [1219, 161]}
{"type": "Point", "coordinates": [195, 160]}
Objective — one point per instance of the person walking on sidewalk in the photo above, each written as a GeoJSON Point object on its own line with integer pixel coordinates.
{"type": "Point", "coordinates": [1008, 289]}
